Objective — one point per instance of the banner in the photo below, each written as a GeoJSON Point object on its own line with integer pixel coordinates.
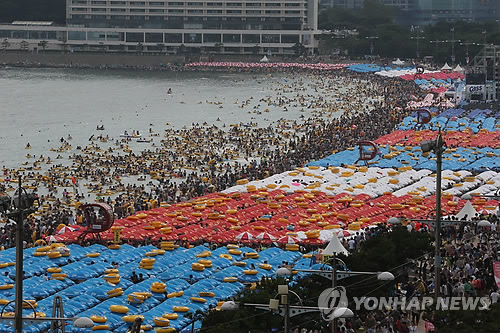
{"type": "Point", "coordinates": [496, 272]}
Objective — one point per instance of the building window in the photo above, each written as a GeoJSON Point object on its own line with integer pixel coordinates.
{"type": "Point", "coordinates": [118, 10]}
{"type": "Point", "coordinates": [137, 3]}
{"type": "Point", "coordinates": [79, 2]}
{"type": "Point", "coordinates": [95, 35]}
{"type": "Point", "coordinates": [156, 10]}
{"type": "Point", "coordinates": [98, 2]}
{"type": "Point", "coordinates": [114, 36]}
{"type": "Point", "coordinates": [214, 11]}
{"type": "Point", "coordinates": [156, 3]}
{"type": "Point", "coordinates": [173, 38]}
{"type": "Point", "coordinates": [99, 10]}
{"type": "Point", "coordinates": [176, 11]}
{"type": "Point", "coordinates": [77, 35]}
{"type": "Point", "coordinates": [79, 9]}
{"type": "Point", "coordinates": [154, 37]}
{"type": "Point", "coordinates": [192, 38]}
{"type": "Point", "coordinates": [233, 4]}
{"type": "Point", "coordinates": [197, 4]}
{"type": "Point", "coordinates": [233, 11]}
{"type": "Point", "coordinates": [273, 5]}
{"type": "Point", "coordinates": [251, 39]}
{"type": "Point", "coordinates": [115, 3]}
{"type": "Point", "coordinates": [135, 37]}
{"type": "Point", "coordinates": [176, 3]}
{"type": "Point", "coordinates": [290, 38]}
{"type": "Point", "coordinates": [211, 38]}
{"type": "Point", "coordinates": [253, 11]}
{"type": "Point", "coordinates": [195, 11]}
{"type": "Point", "coordinates": [292, 5]}
{"type": "Point", "coordinates": [250, 4]}
{"type": "Point", "coordinates": [273, 12]}
{"type": "Point", "coordinates": [137, 10]}
{"type": "Point", "coordinates": [292, 11]}
{"type": "Point", "coordinates": [232, 38]}
{"type": "Point", "coordinates": [214, 4]}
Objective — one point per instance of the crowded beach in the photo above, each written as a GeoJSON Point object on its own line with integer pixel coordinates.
{"type": "Point", "coordinates": [227, 193]}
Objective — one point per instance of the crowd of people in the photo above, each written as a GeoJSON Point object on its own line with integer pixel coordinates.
{"type": "Point", "coordinates": [468, 253]}
{"type": "Point", "coordinates": [191, 162]}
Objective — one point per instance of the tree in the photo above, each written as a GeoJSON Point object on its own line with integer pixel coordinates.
{"type": "Point", "coordinates": [161, 47]}
{"type": "Point", "coordinates": [474, 321]}
{"type": "Point", "coordinates": [256, 49]}
{"type": "Point", "coordinates": [139, 48]}
{"type": "Point", "coordinates": [219, 47]}
{"type": "Point", "coordinates": [5, 44]}
{"type": "Point", "coordinates": [43, 44]}
{"type": "Point", "coordinates": [299, 49]}
{"type": "Point", "coordinates": [24, 45]}
{"type": "Point", "coordinates": [181, 49]}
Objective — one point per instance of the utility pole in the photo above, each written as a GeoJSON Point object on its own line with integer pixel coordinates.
{"type": "Point", "coordinates": [452, 41]}
{"type": "Point", "coordinates": [437, 264]}
{"type": "Point", "coordinates": [371, 38]}
{"type": "Point", "coordinates": [417, 38]}
{"type": "Point", "coordinates": [467, 50]}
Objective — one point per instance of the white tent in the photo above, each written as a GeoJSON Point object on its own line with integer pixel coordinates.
{"type": "Point", "coordinates": [398, 62]}
{"type": "Point", "coordinates": [334, 247]}
{"type": "Point", "coordinates": [458, 69]}
{"type": "Point", "coordinates": [467, 210]}
{"type": "Point", "coordinates": [446, 67]}
{"type": "Point", "coordinates": [264, 59]}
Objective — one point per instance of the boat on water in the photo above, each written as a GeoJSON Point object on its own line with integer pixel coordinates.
{"type": "Point", "coordinates": [144, 140]}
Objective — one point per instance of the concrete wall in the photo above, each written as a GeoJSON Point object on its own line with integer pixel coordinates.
{"type": "Point", "coordinates": [85, 59]}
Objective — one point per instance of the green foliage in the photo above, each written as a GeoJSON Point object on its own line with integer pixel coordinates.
{"type": "Point", "coordinates": [299, 49]}
{"type": "Point", "coordinates": [380, 253]}
{"type": "Point", "coordinates": [471, 321]}
{"type": "Point", "coordinates": [385, 252]}
{"type": "Point", "coordinates": [377, 20]}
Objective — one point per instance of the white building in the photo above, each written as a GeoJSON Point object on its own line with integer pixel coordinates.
{"type": "Point", "coordinates": [223, 26]}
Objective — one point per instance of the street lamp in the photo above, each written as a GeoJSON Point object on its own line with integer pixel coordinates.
{"type": "Point", "coordinates": [371, 38]}
{"type": "Point", "coordinates": [83, 322]}
{"type": "Point", "coordinates": [282, 306]}
{"type": "Point", "coordinates": [335, 275]}
{"type": "Point", "coordinates": [467, 50]}
{"type": "Point", "coordinates": [418, 38]}
{"type": "Point", "coordinates": [437, 147]}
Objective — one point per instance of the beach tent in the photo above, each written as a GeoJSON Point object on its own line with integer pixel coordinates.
{"type": "Point", "coordinates": [446, 67]}
{"type": "Point", "coordinates": [458, 69]}
{"type": "Point", "coordinates": [334, 247]}
{"type": "Point", "coordinates": [264, 59]}
{"type": "Point", "coordinates": [398, 62]}
{"type": "Point", "coordinates": [467, 210]}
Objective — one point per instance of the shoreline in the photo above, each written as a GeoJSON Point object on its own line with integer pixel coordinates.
{"type": "Point", "coordinates": [131, 61]}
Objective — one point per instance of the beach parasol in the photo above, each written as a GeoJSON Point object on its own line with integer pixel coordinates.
{"type": "Point", "coordinates": [66, 229]}
{"type": "Point", "coordinates": [244, 237]}
{"type": "Point", "coordinates": [265, 237]}
{"type": "Point", "coordinates": [288, 240]}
